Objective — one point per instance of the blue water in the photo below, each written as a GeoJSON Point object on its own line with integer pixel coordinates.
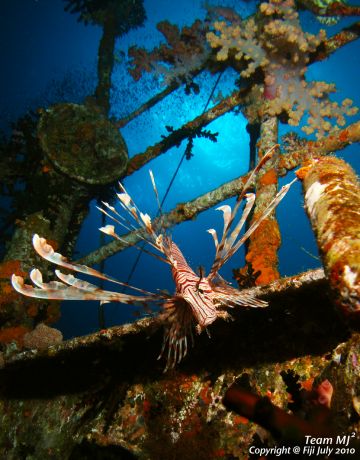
{"type": "Point", "coordinates": [40, 44]}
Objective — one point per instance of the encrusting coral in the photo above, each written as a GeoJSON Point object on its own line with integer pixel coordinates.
{"type": "Point", "coordinates": [42, 337]}
{"type": "Point", "coordinates": [276, 44]}
{"type": "Point", "coordinates": [332, 201]}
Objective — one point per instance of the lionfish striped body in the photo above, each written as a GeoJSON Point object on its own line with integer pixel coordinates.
{"type": "Point", "coordinates": [194, 290]}
{"type": "Point", "coordinates": [197, 300]}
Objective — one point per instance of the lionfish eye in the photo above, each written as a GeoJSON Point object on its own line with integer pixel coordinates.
{"type": "Point", "coordinates": [201, 291]}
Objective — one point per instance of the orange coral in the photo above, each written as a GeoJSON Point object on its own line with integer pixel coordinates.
{"type": "Point", "coordinates": [33, 310]}
{"type": "Point", "coordinates": [240, 420]}
{"type": "Point", "coordinates": [301, 172]}
{"type": "Point", "coordinates": [15, 308]}
{"type": "Point", "coordinates": [7, 289]}
{"type": "Point", "coordinates": [9, 267]}
{"type": "Point", "coordinates": [205, 394]}
{"type": "Point", "coordinates": [52, 312]}
{"type": "Point", "coordinates": [45, 169]}
{"type": "Point", "coordinates": [262, 252]}
{"type": "Point", "coordinates": [270, 177]}
{"type": "Point", "coordinates": [344, 135]}
{"type": "Point", "coordinates": [307, 384]}
{"type": "Point", "coordinates": [307, 165]}
{"type": "Point", "coordinates": [13, 334]}
{"type": "Point", "coordinates": [7, 293]}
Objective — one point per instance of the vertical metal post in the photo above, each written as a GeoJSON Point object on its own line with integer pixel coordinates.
{"type": "Point", "coordinates": [265, 241]}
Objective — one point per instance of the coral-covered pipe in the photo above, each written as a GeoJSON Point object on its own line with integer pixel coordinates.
{"type": "Point", "coordinates": [264, 243]}
{"type": "Point", "coordinates": [281, 425]}
{"type": "Point", "coordinates": [332, 201]}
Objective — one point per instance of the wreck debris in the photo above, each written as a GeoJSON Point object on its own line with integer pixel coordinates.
{"type": "Point", "coordinates": [166, 415]}
{"type": "Point", "coordinates": [330, 8]}
{"type": "Point", "coordinates": [186, 211]}
{"type": "Point", "coordinates": [332, 200]}
{"type": "Point", "coordinates": [324, 146]}
{"type": "Point", "coordinates": [82, 144]}
{"type": "Point", "coordinates": [76, 154]}
{"type": "Point", "coordinates": [282, 425]}
{"type": "Point", "coordinates": [96, 399]}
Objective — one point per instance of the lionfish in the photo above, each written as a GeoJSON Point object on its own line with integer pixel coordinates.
{"type": "Point", "coordinates": [198, 300]}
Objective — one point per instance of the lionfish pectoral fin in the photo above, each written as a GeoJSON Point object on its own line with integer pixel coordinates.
{"type": "Point", "coordinates": [46, 291]}
{"type": "Point", "coordinates": [213, 233]}
{"type": "Point", "coordinates": [229, 297]}
{"type": "Point", "coordinates": [229, 244]}
{"type": "Point", "coordinates": [249, 301]}
{"type": "Point", "coordinates": [46, 251]}
{"type": "Point", "coordinates": [226, 210]}
{"type": "Point", "coordinates": [72, 288]}
{"type": "Point", "coordinates": [19, 285]}
{"type": "Point", "coordinates": [134, 219]}
{"type": "Point", "coordinates": [252, 302]}
{"type": "Point", "coordinates": [271, 206]}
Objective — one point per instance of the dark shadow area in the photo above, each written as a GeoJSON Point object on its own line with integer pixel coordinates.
{"type": "Point", "coordinates": [295, 324]}
{"type": "Point", "coordinates": [87, 450]}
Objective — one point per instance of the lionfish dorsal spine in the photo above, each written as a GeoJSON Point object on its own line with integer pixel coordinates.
{"type": "Point", "coordinates": [229, 243]}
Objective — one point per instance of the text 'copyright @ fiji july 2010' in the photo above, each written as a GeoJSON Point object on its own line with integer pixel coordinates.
{"type": "Point", "coordinates": [312, 446]}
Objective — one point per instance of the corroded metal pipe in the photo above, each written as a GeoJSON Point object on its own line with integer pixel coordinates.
{"type": "Point", "coordinates": [264, 243]}
{"type": "Point", "coordinates": [332, 201]}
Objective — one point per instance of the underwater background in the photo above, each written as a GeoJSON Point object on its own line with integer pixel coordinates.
{"type": "Point", "coordinates": [49, 57]}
